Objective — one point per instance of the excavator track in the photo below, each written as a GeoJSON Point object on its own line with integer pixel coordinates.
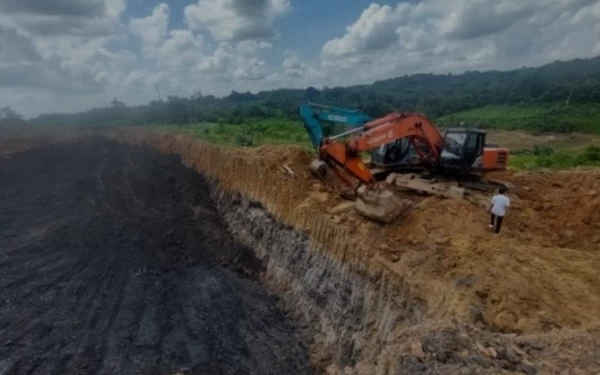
{"type": "Point", "coordinates": [470, 182]}
{"type": "Point", "coordinates": [483, 185]}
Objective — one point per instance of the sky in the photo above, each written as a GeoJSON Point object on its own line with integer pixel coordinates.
{"type": "Point", "coordinates": [71, 55]}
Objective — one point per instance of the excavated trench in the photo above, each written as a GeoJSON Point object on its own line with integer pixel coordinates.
{"type": "Point", "coordinates": [117, 259]}
{"type": "Point", "coordinates": [347, 317]}
{"type": "Point", "coordinates": [114, 260]}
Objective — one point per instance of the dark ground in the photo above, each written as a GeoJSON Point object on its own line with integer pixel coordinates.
{"type": "Point", "coordinates": [109, 265]}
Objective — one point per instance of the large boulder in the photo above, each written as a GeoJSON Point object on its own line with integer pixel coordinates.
{"type": "Point", "coordinates": [383, 206]}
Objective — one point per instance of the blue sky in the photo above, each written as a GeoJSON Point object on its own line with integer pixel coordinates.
{"type": "Point", "coordinates": [78, 54]}
{"type": "Point", "coordinates": [315, 22]}
{"type": "Point", "coordinates": [308, 27]}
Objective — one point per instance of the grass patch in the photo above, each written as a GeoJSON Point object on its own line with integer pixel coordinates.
{"type": "Point", "coordinates": [546, 158]}
{"type": "Point", "coordinates": [557, 118]}
{"type": "Point", "coordinates": [249, 134]}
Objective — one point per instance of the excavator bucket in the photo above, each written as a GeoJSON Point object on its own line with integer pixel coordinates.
{"type": "Point", "coordinates": [319, 168]}
{"type": "Point", "coordinates": [383, 206]}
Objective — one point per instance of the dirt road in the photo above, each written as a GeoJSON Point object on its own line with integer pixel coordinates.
{"type": "Point", "coordinates": [110, 264]}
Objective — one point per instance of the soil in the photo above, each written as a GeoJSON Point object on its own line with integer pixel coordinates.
{"type": "Point", "coordinates": [538, 281]}
{"type": "Point", "coordinates": [540, 274]}
{"type": "Point", "coordinates": [111, 263]}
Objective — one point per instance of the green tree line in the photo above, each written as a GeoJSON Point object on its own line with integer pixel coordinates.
{"type": "Point", "coordinates": [560, 84]}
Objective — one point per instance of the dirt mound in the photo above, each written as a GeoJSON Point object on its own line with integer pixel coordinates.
{"type": "Point", "coordinates": [540, 274]}
{"type": "Point", "coordinates": [561, 208]}
{"type": "Point", "coordinates": [110, 264]}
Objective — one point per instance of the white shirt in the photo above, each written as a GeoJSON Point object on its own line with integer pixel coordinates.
{"type": "Point", "coordinates": [499, 204]}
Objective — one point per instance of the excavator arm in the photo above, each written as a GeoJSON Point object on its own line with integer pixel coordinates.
{"type": "Point", "coordinates": [313, 114]}
{"type": "Point", "coordinates": [394, 126]}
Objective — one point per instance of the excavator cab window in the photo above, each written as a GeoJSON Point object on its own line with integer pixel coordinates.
{"type": "Point", "coordinates": [454, 145]}
{"type": "Point", "coordinates": [473, 148]}
{"type": "Point", "coordinates": [462, 148]}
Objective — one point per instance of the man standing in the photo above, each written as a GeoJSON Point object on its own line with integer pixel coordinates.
{"type": "Point", "coordinates": [498, 208]}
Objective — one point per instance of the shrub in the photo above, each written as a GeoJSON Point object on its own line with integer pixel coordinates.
{"type": "Point", "coordinates": [557, 160]}
{"type": "Point", "coordinates": [590, 155]}
{"type": "Point", "coordinates": [522, 151]}
{"type": "Point", "coordinates": [244, 140]}
{"type": "Point", "coordinates": [542, 150]}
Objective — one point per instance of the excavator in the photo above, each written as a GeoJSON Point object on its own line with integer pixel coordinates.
{"type": "Point", "coordinates": [460, 155]}
{"type": "Point", "coordinates": [397, 153]}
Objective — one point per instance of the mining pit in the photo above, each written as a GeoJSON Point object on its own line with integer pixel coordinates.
{"type": "Point", "coordinates": [126, 251]}
{"type": "Point", "coordinates": [113, 260]}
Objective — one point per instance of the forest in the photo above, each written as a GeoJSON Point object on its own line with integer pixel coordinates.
{"type": "Point", "coordinates": [557, 97]}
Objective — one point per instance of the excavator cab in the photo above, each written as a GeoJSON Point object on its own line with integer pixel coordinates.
{"type": "Point", "coordinates": [463, 150]}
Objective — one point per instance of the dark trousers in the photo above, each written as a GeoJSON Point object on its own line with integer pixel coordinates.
{"type": "Point", "coordinates": [497, 222]}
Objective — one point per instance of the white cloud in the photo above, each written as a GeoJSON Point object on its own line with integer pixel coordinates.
{"type": "Point", "coordinates": [373, 30]}
{"type": "Point", "coordinates": [86, 18]}
{"type": "Point", "coordinates": [73, 54]}
{"type": "Point", "coordinates": [251, 70]}
{"type": "Point", "coordinates": [152, 29]}
{"type": "Point", "coordinates": [236, 20]}
{"type": "Point", "coordinates": [241, 62]}
{"type": "Point", "coordinates": [62, 53]}
{"type": "Point", "coordinates": [219, 62]}
{"type": "Point", "coordinates": [456, 35]}
{"type": "Point", "coordinates": [477, 18]}
{"type": "Point", "coordinates": [76, 8]}
{"type": "Point", "coordinates": [250, 47]}
{"type": "Point", "coordinates": [293, 65]}
{"type": "Point", "coordinates": [181, 49]}
{"type": "Point", "coordinates": [17, 48]}
{"type": "Point", "coordinates": [114, 8]}
{"type": "Point", "coordinates": [300, 72]}
{"type": "Point", "coordinates": [142, 78]}
{"type": "Point", "coordinates": [172, 50]}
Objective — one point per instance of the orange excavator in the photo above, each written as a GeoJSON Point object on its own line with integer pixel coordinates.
{"type": "Point", "coordinates": [460, 154]}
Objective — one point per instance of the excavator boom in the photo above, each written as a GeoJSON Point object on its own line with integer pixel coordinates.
{"type": "Point", "coordinates": [315, 115]}
{"type": "Point", "coordinates": [397, 126]}
{"type": "Point", "coordinates": [394, 126]}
